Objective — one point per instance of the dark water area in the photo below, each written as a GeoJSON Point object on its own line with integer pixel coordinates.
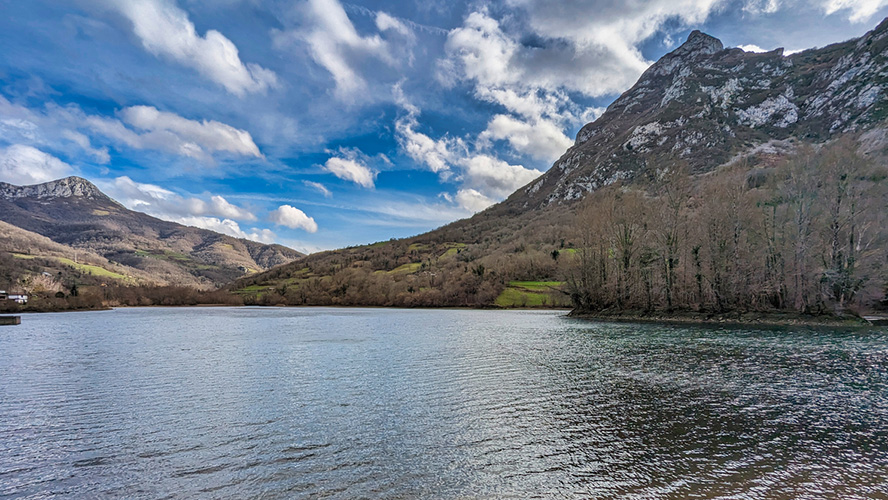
{"type": "Point", "coordinates": [380, 403]}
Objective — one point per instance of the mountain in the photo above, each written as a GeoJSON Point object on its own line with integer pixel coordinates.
{"type": "Point", "coordinates": [75, 215]}
{"type": "Point", "coordinates": [703, 104]}
{"type": "Point", "coordinates": [753, 143]}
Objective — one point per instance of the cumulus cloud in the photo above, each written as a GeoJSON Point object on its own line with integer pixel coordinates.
{"type": "Point", "coordinates": [472, 200]}
{"type": "Point", "coordinates": [484, 178]}
{"type": "Point", "coordinates": [482, 52]}
{"type": "Point", "coordinates": [751, 48]}
{"type": "Point", "coordinates": [73, 131]}
{"type": "Point", "coordinates": [334, 39]}
{"type": "Point", "coordinates": [207, 135]}
{"type": "Point", "coordinates": [220, 206]}
{"type": "Point", "coordinates": [262, 235]}
{"type": "Point", "coordinates": [495, 176]}
{"type": "Point", "coordinates": [351, 169]}
{"type": "Point", "coordinates": [99, 154]}
{"type": "Point", "coordinates": [25, 165]}
{"type": "Point", "coordinates": [539, 139]}
{"type": "Point", "coordinates": [532, 81]}
{"type": "Point", "coordinates": [229, 227]}
{"type": "Point", "coordinates": [436, 154]}
{"type": "Point", "coordinates": [610, 30]}
{"type": "Point", "coordinates": [166, 204]}
{"type": "Point", "coordinates": [165, 30]}
{"type": "Point", "coordinates": [292, 217]}
{"type": "Point", "coordinates": [165, 131]}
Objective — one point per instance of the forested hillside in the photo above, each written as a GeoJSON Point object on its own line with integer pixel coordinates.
{"type": "Point", "coordinates": [806, 235]}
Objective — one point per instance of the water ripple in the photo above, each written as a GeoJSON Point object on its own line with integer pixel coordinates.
{"type": "Point", "coordinates": [364, 403]}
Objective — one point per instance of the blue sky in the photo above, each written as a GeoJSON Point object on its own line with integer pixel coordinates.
{"type": "Point", "coordinates": [319, 124]}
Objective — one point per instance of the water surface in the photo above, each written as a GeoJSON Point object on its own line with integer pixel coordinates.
{"type": "Point", "coordinates": [382, 403]}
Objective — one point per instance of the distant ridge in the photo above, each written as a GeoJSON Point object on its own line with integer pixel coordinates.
{"type": "Point", "coordinates": [75, 213]}
{"type": "Point", "coordinates": [61, 188]}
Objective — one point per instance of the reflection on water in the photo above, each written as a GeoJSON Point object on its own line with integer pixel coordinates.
{"type": "Point", "coordinates": [347, 403]}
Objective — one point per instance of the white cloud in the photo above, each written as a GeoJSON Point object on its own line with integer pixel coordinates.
{"type": "Point", "coordinates": [217, 214]}
{"type": "Point", "coordinates": [385, 22]}
{"type": "Point", "coordinates": [99, 154]}
{"type": "Point", "coordinates": [480, 51]}
{"type": "Point", "coordinates": [615, 29]}
{"type": "Point", "coordinates": [208, 135]}
{"type": "Point", "coordinates": [539, 139]}
{"type": "Point", "coordinates": [220, 206]}
{"type": "Point", "coordinates": [533, 81]}
{"type": "Point", "coordinates": [336, 45]}
{"type": "Point", "coordinates": [319, 188]}
{"type": "Point", "coordinates": [165, 204]}
{"type": "Point", "coordinates": [165, 30]}
{"type": "Point", "coordinates": [262, 235]}
{"type": "Point", "coordinates": [751, 48]}
{"type": "Point", "coordinates": [484, 179]}
{"type": "Point", "coordinates": [73, 131]}
{"type": "Point", "coordinates": [435, 154]}
{"type": "Point", "coordinates": [531, 103]}
{"type": "Point", "coordinates": [25, 165]}
{"type": "Point", "coordinates": [860, 10]}
{"type": "Point", "coordinates": [417, 213]}
{"type": "Point", "coordinates": [165, 131]}
{"type": "Point", "coordinates": [472, 200]}
{"type": "Point", "coordinates": [438, 155]}
{"type": "Point", "coordinates": [496, 177]}
{"type": "Point", "coordinates": [351, 169]}
{"type": "Point", "coordinates": [761, 7]}
{"type": "Point", "coordinates": [50, 127]}
{"type": "Point", "coordinates": [229, 227]}
{"type": "Point", "coordinates": [292, 217]}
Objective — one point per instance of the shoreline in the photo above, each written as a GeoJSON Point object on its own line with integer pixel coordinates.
{"type": "Point", "coordinates": [772, 319]}
{"type": "Point", "coordinates": [765, 319]}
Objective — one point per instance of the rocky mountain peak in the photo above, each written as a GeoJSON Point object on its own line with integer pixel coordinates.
{"type": "Point", "coordinates": [699, 43]}
{"type": "Point", "coordinates": [698, 46]}
{"type": "Point", "coordinates": [62, 188]}
{"type": "Point", "coordinates": [702, 105]}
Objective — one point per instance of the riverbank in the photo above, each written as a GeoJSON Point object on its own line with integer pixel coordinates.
{"type": "Point", "coordinates": [733, 318]}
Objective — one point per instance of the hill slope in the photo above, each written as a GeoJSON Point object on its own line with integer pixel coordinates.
{"type": "Point", "coordinates": [702, 105]}
{"type": "Point", "coordinates": [710, 112]}
{"type": "Point", "coordinates": [76, 215]}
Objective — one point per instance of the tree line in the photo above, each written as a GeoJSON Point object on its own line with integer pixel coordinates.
{"type": "Point", "coordinates": [805, 234]}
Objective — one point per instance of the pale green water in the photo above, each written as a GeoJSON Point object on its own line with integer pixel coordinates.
{"type": "Point", "coordinates": [380, 403]}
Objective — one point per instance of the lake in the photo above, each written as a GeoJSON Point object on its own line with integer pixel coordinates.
{"type": "Point", "coordinates": [387, 403]}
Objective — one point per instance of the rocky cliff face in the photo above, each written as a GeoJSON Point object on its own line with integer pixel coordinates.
{"type": "Point", "coordinates": [702, 105]}
{"type": "Point", "coordinates": [62, 188]}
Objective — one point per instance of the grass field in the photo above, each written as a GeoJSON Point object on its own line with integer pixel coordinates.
{"type": "Point", "coordinates": [90, 269]}
{"type": "Point", "coordinates": [532, 294]}
{"type": "Point", "coordinates": [407, 268]}
{"type": "Point", "coordinates": [84, 268]}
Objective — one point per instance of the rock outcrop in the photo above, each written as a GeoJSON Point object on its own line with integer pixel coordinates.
{"type": "Point", "coordinates": [62, 188]}
{"type": "Point", "coordinates": [702, 105]}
